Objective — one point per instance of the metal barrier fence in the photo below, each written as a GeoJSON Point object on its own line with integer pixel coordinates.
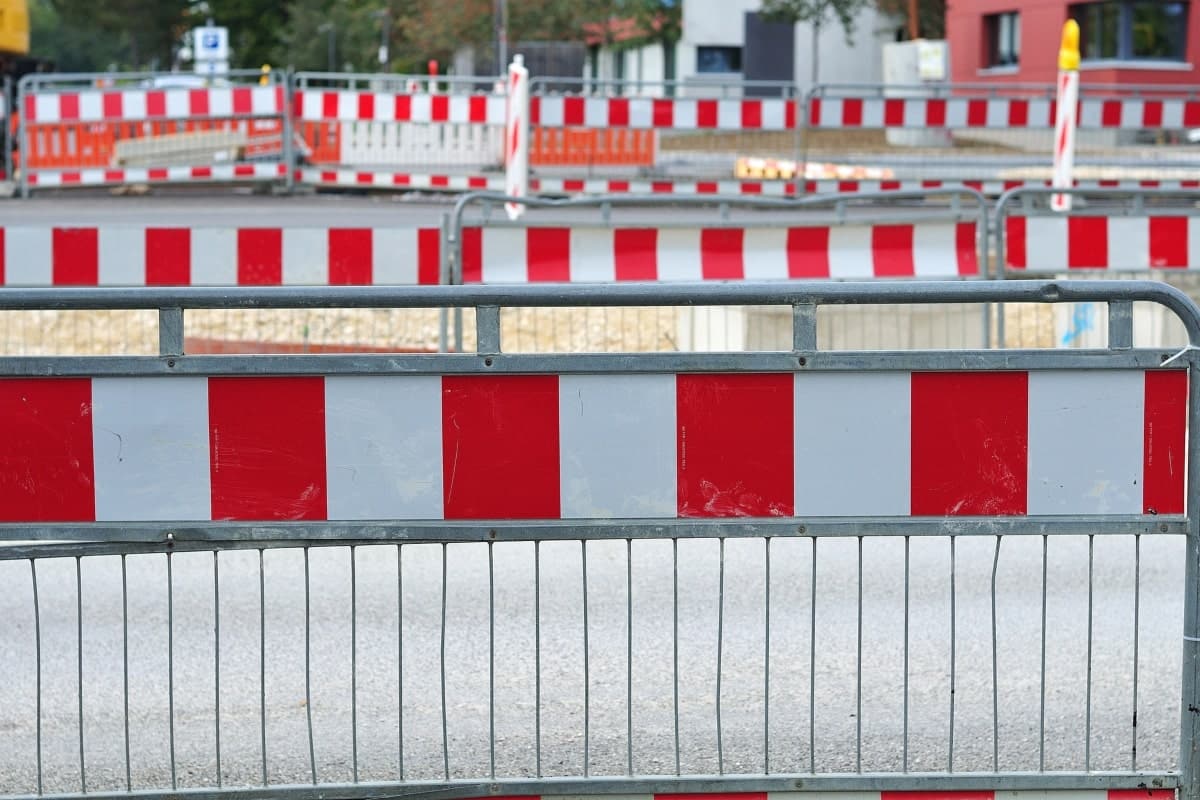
{"type": "Point", "coordinates": [932, 234]}
{"type": "Point", "coordinates": [477, 575]}
{"type": "Point", "coordinates": [1108, 233]}
{"type": "Point", "coordinates": [131, 128]}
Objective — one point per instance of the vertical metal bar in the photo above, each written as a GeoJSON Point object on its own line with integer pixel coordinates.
{"type": "Point", "coordinates": [587, 709]}
{"type": "Point", "coordinates": [353, 664]}
{"type": "Point", "coordinates": [487, 329]}
{"type": "Point", "coordinates": [537, 657]}
{"type": "Point", "coordinates": [720, 653]}
{"type": "Point", "coordinates": [1189, 732]}
{"type": "Point", "coordinates": [491, 660]}
{"type": "Point", "coordinates": [1042, 709]}
{"type": "Point", "coordinates": [675, 640]}
{"type": "Point", "coordinates": [400, 657]}
{"type": "Point", "coordinates": [1087, 735]}
{"type": "Point", "coordinates": [767, 658]}
{"type": "Point", "coordinates": [629, 653]}
{"type": "Point", "coordinates": [1120, 324]}
{"type": "Point", "coordinates": [812, 664]}
{"type": "Point", "coordinates": [79, 653]}
{"type": "Point", "coordinates": [170, 331]}
{"type": "Point", "coordinates": [37, 644]}
{"type": "Point", "coordinates": [995, 668]}
{"type": "Point", "coordinates": [1137, 597]}
{"type": "Point", "coordinates": [312, 752]}
{"type": "Point", "coordinates": [125, 667]}
{"type": "Point", "coordinates": [953, 654]}
{"type": "Point", "coordinates": [858, 667]}
{"type": "Point", "coordinates": [804, 327]}
{"type": "Point", "coordinates": [262, 662]}
{"type": "Point", "coordinates": [904, 758]}
{"type": "Point", "coordinates": [445, 728]}
{"type": "Point", "coordinates": [171, 663]}
{"type": "Point", "coordinates": [217, 660]}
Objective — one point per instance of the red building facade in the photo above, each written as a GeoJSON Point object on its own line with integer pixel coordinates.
{"type": "Point", "coordinates": [1130, 42]}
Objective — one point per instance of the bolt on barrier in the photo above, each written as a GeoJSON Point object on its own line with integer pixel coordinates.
{"type": "Point", "coordinates": [134, 128]}
{"type": "Point", "coordinates": [1112, 233]}
{"type": "Point", "coordinates": [931, 234]}
{"type": "Point", "coordinates": [479, 575]}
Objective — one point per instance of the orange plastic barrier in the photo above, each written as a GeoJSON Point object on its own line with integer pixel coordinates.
{"type": "Point", "coordinates": [321, 139]}
{"type": "Point", "coordinates": [591, 147]}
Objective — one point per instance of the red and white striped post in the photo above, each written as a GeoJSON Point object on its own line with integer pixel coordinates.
{"type": "Point", "coordinates": [516, 136]}
{"type": "Point", "coordinates": [1065, 117]}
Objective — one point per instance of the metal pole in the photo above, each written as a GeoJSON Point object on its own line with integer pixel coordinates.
{"type": "Point", "coordinates": [500, 26]}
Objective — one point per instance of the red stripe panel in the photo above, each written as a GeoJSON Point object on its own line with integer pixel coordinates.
{"type": "Point", "coordinates": [1110, 114]}
{"type": "Point", "coordinates": [548, 254]}
{"type": "Point", "coordinates": [735, 446]}
{"type": "Point", "coordinates": [970, 433]}
{"type": "Point", "coordinates": [752, 113]}
{"type": "Point", "coordinates": [439, 108]}
{"type": "Point", "coordinates": [808, 252]}
{"type": "Point", "coordinates": [964, 245]}
{"type": "Point", "coordinates": [366, 106]}
{"type": "Point", "coordinates": [852, 112]}
{"type": "Point", "coordinates": [1141, 794]}
{"type": "Point", "coordinates": [403, 110]}
{"type": "Point", "coordinates": [1191, 113]}
{"type": "Point", "coordinates": [1152, 114]}
{"type": "Point", "coordinates": [618, 112]}
{"type": "Point", "coordinates": [46, 472]}
{"type": "Point", "coordinates": [260, 256]}
{"type": "Point", "coordinates": [789, 113]}
{"type": "Point", "coordinates": [977, 113]}
{"type": "Point", "coordinates": [1014, 240]}
{"type": "Point", "coordinates": [1168, 242]}
{"type": "Point", "coordinates": [892, 251]}
{"type": "Point", "coordinates": [156, 104]}
{"type": "Point", "coordinates": [893, 113]}
{"type": "Point", "coordinates": [68, 107]}
{"type": "Point", "coordinates": [1018, 113]}
{"type": "Point", "coordinates": [635, 253]}
{"type": "Point", "coordinates": [814, 111]}
{"type": "Point", "coordinates": [243, 101]}
{"type": "Point", "coordinates": [472, 255]}
{"type": "Point", "coordinates": [429, 257]}
{"type": "Point", "coordinates": [74, 257]}
{"type": "Point", "coordinates": [31, 108]}
{"type": "Point", "coordinates": [113, 104]}
{"type": "Point", "coordinates": [500, 447]}
{"type": "Point", "coordinates": [267, 448]}
{"type": "Point", "coordinates": [535, 110]}
{"type": "Point", "coordinates": [477, 108]}
{"type": "Point", "coordinates": [350, 252]}
{"type": "Point", "coordinates": [1165, 447]}
{"type": "Point", "coordinates": [935, 113]}
{"type": "Point", "coordinates": [573, 111]}
{"type": "Point", "coordinates": [198, 102]}
{"type": "Point", "coordinates": [168, 256]}
{"type": "Point", "coordinates": [1087, 242]}
{"type": "Point", "coordinates": [721, 253]}
{"type": "Point", "coordinates": [663, 113]}
{"type": "Point", "coordinates": [706, 114]}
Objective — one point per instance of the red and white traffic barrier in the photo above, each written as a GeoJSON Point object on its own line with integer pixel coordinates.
{"type": "Point", "coordinates": [315, 105]}
{"type": "Point", "coordinates": [566, 447]}
{"type": "Point", "coordinates": [1060, 244]}
{"type": "Point", "coordinates": [148, 256]}
{"type": "Point", "coordinates": [217, 173]}
{"type": "Point", "coordinates": [999, 112]}
{"type": "Point", "coordinates": [516, 136]}
{"type": "Point", "coordinates": [768, 114]}
{"type": "Point", "coordinates": [581, 254]}
{"type": "Point", "coordinates": [100, 105]}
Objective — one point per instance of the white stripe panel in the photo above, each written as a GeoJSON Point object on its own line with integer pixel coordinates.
{"type": "Point", "coordinates": [220, 102]}
{"type": "Point", "coordinates": [617, 456]}
{"type": "Point", "coordinates": [641, 112]}
{"type": "Point", "coordinates": [831, 113]}
{"type": "Point", "coordinates": [133, 105]}
{"type": "Point", "coordinates": [91, 106]}
{"type": "Point", "coordinates": [422, 108]}
{"type": "Point", "coordinates": [214, 257]}
{"type": "Point", "coordinates": [1039, 114]}
{"type": "Point", "coordinates": [679, 254]}
{"type": "Point", "coordinates": [306, 256]}
{"type": "Point", "coordinates": [505, 257]}
{"type": "Point", "coordinates": [1193, 243]}
{"type": "Point", "coordinates": [394, 256]}
{"type": "Point", "coordinates": [915, 113]}
{"type": "Point", "coordinates": [684, 112]}
{"type": "Point", "coordinates": [28, 259]}
{"type": "Point", "coordinates": [383, 445]}
{"type": "Point", "coordinates": [850, 253]}
{"type": "Point", "coordinates": [1172, 116]}
{"type": "Point", "coordinates": [347, 106]}
{"type": "Point", "coordinates": [1128, 243]}
{"type": "Point", "coordinates": [177, 105]}
{"type": "Point", "coordinates": [383, 107]}
{"type": "Point", "coordinates": [846, 468]}
{"type": "Point", "coordinates": [313, 105]}
{"type": "Point", "coordinates": [774, 115]}
{"type": "Point", "coordinates": [1133, 113]}
{"type": "Point", "coordinates": [935, 254]}
{"type": "Point", "coordinates": [997, 113]}
{"type": "Point", "coordinates": [460, 108]}
{"type": "Point", "coordinates": [122, 255]}
{"type": "Point", "coordinates": [46, 107]}
{"type": "Point", "coordinates": [1090, 113]}
{"type": "Point", "coordinates": [872, 113]}
{"type": "Point", "coordinates": [1046, 243]}
{"type": "Point", "coordinates": [497, 108]}
{"type": "Point", "coordinates": [92, 176]}
{"type": "Point", "coordinates": [764, 254]}
{"type": "Point", "coordinates": [729, 114]}
{"type": "Point", "coordinates": [264, 100]}
{"type": "Point", "coordinates": [550, 112]}
{"type": "Point", "coordinates": [151, 451]}
{"type": "Point", "coordinates": [595, 112]}
{"type": "Point", "coordinates": [956, 113]}
{"type": "Point", "coordinates": [1086, 434]}
{"type": "Point", "coordinates": [592, 256]}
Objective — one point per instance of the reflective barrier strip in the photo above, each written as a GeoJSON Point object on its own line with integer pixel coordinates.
{"type": "Point", "coordinates": [581, 446]}
{"type": "Point", "coordinates": [1059, 244]}
{"type": "Point", "coordinates": [137, 256]}
{"type": "Point", "coordinates": [770, 114]}
{"type": "Point", "coordinates": [98, 105]}
{"type": "Point", "coordinates": [999, 113]}
{"type": "Point", "coordinates": [313, 105]}
{"type": "Point", "coordinates": [521, 255]}
{"type": "Point", "coordinates": [47, 178]}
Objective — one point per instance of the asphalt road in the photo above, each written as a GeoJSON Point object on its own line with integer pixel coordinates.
{"type": "Point", "coordinates": [742, 689]}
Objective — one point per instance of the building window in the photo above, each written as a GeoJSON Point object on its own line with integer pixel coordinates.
{"type": "Point", "coordinates": [718, 59]}
{"type": "Point", "coordinates": [1132, 29]}
{"type": "Point", "coordinates": [1002, 34]}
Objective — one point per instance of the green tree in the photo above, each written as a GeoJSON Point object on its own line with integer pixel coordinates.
{"type": "Point", "coordinates": [254, 28]}
{"type": "Point", "coordinates": [146, 32]}
{"type": "Point", "coordinates": [931, 15]}
{"type": "Point", "coordinates": [816, 13]}
{"type": "Point", "coordinates": [68, 47]}
{"type": "Point", "coordinates": [337, 34]}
